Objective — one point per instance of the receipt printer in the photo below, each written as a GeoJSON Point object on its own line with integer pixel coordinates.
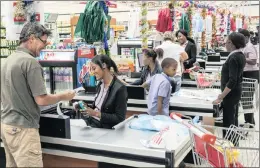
{"type": "Point", "coordinates": [56, 126]}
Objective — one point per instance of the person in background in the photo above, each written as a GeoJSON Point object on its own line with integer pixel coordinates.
{"type": "Point", "coordinates": [109, 107]}
{"type": "Point", "coordinates": [159, 96]}
{"type": "Point", "coordinates": [151, 68]}
{"type": "Point", "coordinates": [256, 38]}
{"type": "Point", "coordinates": [23, 91]}
{"type": "Point", "coordinates": [175, 51]}
{"type": "Point", "coordinates": [190, 47]}
{"type": "Point", "coordinates": [251, 70]}
{"type": "Point", "coordinates": [231, 79]}
{"type": "Point", "coordinates": [252, 38]}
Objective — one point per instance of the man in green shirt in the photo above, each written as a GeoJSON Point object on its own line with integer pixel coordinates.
{"type": "Point", "coordinates": [23, 91]}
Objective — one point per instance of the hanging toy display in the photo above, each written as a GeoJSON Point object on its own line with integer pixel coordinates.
{"type": "Point", "coordinates": [144, 25]}
{"type": "Point", "coordinates": [203, 35]}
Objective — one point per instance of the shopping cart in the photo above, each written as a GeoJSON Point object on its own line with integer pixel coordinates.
{"type": "Point", "coordinates": [206, 80]}
{"type": "Point", "coordinates": [250, 96]}
{"type": "Point", "coordinates": [239, 147]}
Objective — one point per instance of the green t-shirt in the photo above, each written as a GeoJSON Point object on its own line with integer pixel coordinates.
{"type": "Point", "coordinates": [21, 81]}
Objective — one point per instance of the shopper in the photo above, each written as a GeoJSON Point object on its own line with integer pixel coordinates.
{"type": "Point", "coordinates": [159, 95]}
{"type": "Point", "coordinates": [231, 79]}
{"type": "Point", "coordinates": [251, 70]}
{"type": "Point", "coordinates": [175, 51]}
{"type": "Point", "coordinates": [109, 107]}
{"type": "Point", "coordinates": [151, 68]}
{"type": "Point", "coordinates": [23, 90]}
{"type": "Point", "coordinates": [190, 48]}
{"type": "Point", "coordinates": [253, 39]}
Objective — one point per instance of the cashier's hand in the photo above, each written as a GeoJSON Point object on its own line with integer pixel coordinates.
{"type": "Point", "coordinates": [92, 112]}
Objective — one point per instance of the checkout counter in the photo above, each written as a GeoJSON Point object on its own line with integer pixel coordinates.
{"type": "Point", "coordinates": [67, 145]}
{"type": "Point", "coordinates": [85, 146]}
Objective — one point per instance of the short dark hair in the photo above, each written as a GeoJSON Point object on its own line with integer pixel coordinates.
{"type": "Point", "coordinates": [104, 59]}
{"type": "Point", "coordinates": [245, 32]}
{"type": "Point", "coordinates": [33, 28]}
{"type": "Point", "coordinates": [237, 39]}
{"type": "Point", "coordinates": [150, 53]}
{"type": "Point", "coordinates": [167, 62]}
{"type": "Point", "coordinates": [159, 52]}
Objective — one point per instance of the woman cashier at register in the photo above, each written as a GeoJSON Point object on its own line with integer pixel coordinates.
{"type": "Point", "coordinates": [109, 107]}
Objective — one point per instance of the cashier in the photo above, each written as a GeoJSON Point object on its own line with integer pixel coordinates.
{"type": "Point", "coordinates": [151, 68]}
{"type": "Point", "coordinates": [189, 46]}
{"type": "Point", "coordinates": [109, 107]}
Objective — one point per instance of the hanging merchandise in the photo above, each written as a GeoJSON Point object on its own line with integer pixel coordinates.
{"type": "Point", "coordinates": [164, 21]}
{"type": "Point", "coordinates": [222, 23]}
{"type": "Point", "coordinates": [208, 24]}
{"type": "Point", "coordinates": [20, 12]}
{"type": "Point", "coordinates": [91, 23]}
{"type": "Point", "coordinates": [197, 24]}
{"type": "Point", "coordinates": [214, 31]}
{"type": "Point", "coordinates": [184, 22]}
{"type": "Point", "coordinates": [133, 23]}
{"type": "Point", "coordinates": [172, 10]}
{"type": "Point", "coordinates": [208, 29]}
{"type": "Point", "coordinates": [228, 23]}
{"type": "Point", "coordinates": [107, 27]}
{"type": "Point", "coordinates": [189, 14]}
{"type": "Point", "coordinates": [245, 24]}
{"type": "Point", "coordinates": [238, 23]}
{"type": "Point", "coordinates": [233, 24]}
{"type": "Point", "coordinates": [28, 6]}
{"type": "Point", "coordinates": [144, 25]}
{"type": "Point", "coordinates": [203, 36]}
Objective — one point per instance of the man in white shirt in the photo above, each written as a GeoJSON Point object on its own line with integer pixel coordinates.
{"type": "Point", "coordinates": [251, 70]}
{"type": "Point", "coordinates": [175, 51]}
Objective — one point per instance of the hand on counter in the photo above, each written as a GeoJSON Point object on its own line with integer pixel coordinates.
{"type": "Point", "coordinates": [217, 101]}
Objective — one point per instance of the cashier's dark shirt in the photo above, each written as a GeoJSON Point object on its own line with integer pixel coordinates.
{"type": "Point", "coordinates": [232, 71]}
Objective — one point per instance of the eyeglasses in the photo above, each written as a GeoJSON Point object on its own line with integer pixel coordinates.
{"type": "Point", "coordinates": [43, 41]}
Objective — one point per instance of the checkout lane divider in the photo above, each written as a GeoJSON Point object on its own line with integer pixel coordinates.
{"type": "Point", "coordinates": [120, 125]}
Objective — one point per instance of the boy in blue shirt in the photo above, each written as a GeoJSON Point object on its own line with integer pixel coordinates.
{"type": "Point", "coordinates": [160, 88]}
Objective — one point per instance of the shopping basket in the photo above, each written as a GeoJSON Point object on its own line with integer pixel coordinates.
{"type": "Point", "coordinates": [238, 148]}
{"type": "Point", "coordinates": [205, 80]}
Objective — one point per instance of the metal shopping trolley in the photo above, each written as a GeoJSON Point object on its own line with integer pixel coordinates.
{"type": "Point", "coordinates": [206, 80]}
{"type": "Point", "coordinates": [239, 147]}
{"type": "Point", "coordinates": [250, 96]}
